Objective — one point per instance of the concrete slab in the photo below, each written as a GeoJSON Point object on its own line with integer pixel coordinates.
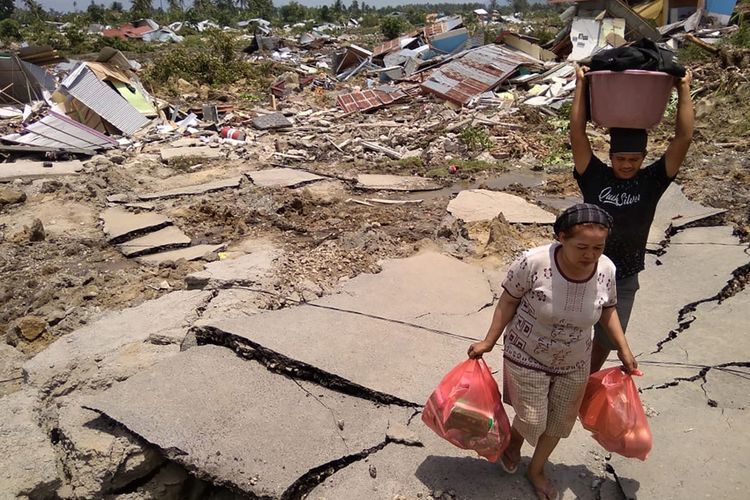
{"type": "Point", "coordinates": [728, 387]}
{"type": "Point", "coordinates": [11, 374]}
{"type": "Point", "coordinates": [140, 205]}
{"type": "Point", "coordinates": [207, 187]}
{"type": "Point", "coordinates": [166, 238]}
{"type": "Point", "coordinates": [99, 455]}
{"type": "Point", "coordinates": [28, 466]}
{"type": "Point", "coordinates": [422, 289]}
{"type": "Point", "coordinates": [715, 337]}
{"type": "Point", "coordinates": [119, 223]}
{"type": "Point", "coordinates": [169, 155]}
{"type": "Point", "coordinates": [680, 277]}
{"type": "Point", "coordinates": [190, 253]}
{"type": "Point", "coordinates": [418, 472]}
{"type": "Point", "coordinates": [336, 344]}
{"type": "Point", "coordinates": [382, 182]}
{"type": "Point", "coordinates": [233, 303]}
{"type": "Point", "coordinates": [168, 316]}
{"type": "Point", "coordinates": [247, 269]}
{"type": "Point", "coordinates": [271, 121]}
{"type": "Point", "coordinates": [277, 429]}
{"type": "Point", "coordinates": [28, 169]}
{"type": "Point", "coordinates": [429, 290]}
{"type": "Point", "coordinates": [698, 452]}
{"type": "Point", "coordinates": [675, 210]}
{"type": "Point", "coordinates": [475, 205]}
{"type": "Point", "coordinates": [281, 177]}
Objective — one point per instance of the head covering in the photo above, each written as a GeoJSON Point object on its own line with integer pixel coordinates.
{"type": "Point", "coordinates": [627, 140]}
{"type": "Point", "coordinates": [582, 213]}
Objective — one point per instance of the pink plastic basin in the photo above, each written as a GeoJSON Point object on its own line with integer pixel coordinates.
{"type": "Point", "coordinates": [628, 99]}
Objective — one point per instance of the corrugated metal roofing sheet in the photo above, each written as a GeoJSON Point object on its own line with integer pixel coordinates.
{"type": "Point", "coordinates": [477, 71]}
{"type": "Point", "coordinates": [441, 27]}
{"type": "Point", "coordinates": [56, 131]}
{"type": "Point", "coordinates": [386, 47]}
{"type": "Point", "coordinates": [369, 99]}
{"type": "Point", "coordinates": [103, 100]}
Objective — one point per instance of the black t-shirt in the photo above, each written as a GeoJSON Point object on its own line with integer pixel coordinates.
{"type": "Point", "coordinates": [631, 203]}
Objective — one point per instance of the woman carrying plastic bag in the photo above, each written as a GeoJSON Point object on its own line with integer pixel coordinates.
{"type": "Point", "coordinates": [613, 412]}
{"type": "Point", "coordinates": [467, 411]}
{"type": "Point", "coordinates": [553, 295]}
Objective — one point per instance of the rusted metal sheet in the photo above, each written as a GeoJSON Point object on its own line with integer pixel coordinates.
{"type": "Point", "coordinates": [390, 96]}
{"type": "Point", "coordinates": [386, 47]}
{"type": "Point", "coordinates": [441, 27]}
{"type": "Point", "coordinates": [477, 71]}
{"type": "Point", "coordinates": [369, 99]}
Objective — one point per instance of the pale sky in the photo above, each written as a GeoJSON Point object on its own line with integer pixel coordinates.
{"type": "Point", "coordinates": [67, 5]}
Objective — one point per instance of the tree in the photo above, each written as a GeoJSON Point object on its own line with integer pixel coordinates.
{"type": "Point", "coordinates": [392, 26]}
{"type": "Point", "coordinates": [96, 13]}
{"type": "Point", "coordinates": [174, 6]}
{"type": "Point", "coordinates": [325, 14]}
{"type": "Point", "coordinates": [263, 8]}
{"type": "Point", "coordinates": [415, 15]}
{"type": "Point", "coordinates": [6, 8]}
{"type": "Point", "coordinates": [293, 12]}
{"type": "Point", "coordinates": [10, 29]}
{"type": "Point", "coordinates": [141, 8]}
{"type": "Point", "coordinates": [117, 7]}
{"type": "Point", "coordinates": [520, 5]}
{"type": "Point", "coordinates": [37, 11]}
{"type": "Point", "coordinates": [354, 8]}
{"type": "Point", "coordinates": [492, 6]}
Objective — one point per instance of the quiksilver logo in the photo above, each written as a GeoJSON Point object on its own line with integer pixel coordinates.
{"type": "Point", "coordinates": [618, 199]}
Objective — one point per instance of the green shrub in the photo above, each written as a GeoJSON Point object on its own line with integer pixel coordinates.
{"type": "Point", "coordinates": [392, 26]}
{"type": "Point", "coordinates": [216, 61]}
{"type": "Point", "coordinates": [741, 38]}
{"type": "Point", "coordinates": [475, 138]}
{"type": "Point", "coordinates": [10, 30]}
{"type": "Point", "coordinates": [691, 53]}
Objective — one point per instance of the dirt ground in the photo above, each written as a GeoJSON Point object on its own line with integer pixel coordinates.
{"type": "Point", "coordinates": [73, 275]}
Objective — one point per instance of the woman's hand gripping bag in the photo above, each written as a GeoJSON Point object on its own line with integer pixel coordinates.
{"type": "Point", "coordinates": [612, 411]}
{"type": "Point", "coordinates": [466, 409]}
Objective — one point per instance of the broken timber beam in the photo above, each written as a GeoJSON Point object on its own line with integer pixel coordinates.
{"type": "Point", "coordinates": [700, 43]}
{"type": "Point", "coordinates": [382, 149]}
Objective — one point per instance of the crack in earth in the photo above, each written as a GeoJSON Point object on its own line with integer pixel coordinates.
{"type": "Point", "coordinates": [701, 375]}
{"type": "Point", "coordinates": [734, 285]}
{"type": "Point", "coordinates": [279, 363]}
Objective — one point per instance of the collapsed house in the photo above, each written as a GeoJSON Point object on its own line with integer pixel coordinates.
{"type": "Point", "coordinates": [146, 30]}
{"type": "Point", "coordinates": [81, 113]}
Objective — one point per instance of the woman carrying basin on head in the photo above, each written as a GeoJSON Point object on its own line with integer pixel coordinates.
{"type": "Point", "coordinates": [553, 295]}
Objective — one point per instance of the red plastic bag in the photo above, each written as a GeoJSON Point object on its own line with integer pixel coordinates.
{"type": "Point", "coordinates": [612, 411]}
{"type": "Point", "coordinates": [466, 409]}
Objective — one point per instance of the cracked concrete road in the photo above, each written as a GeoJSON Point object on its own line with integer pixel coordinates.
{"type": "Point", "coordinates": [384, 322]}
{"type": "Point", "coordinates": [379, 342]}
{"type": "Point", "coordinates": [297, 402]}
{"type": "Point", "coordinates": [234, 422]}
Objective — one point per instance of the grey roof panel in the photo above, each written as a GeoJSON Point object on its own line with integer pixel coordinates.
{"type": "Point", "coordinates": [57, 131]}
{"type": "Point", "coordinates": [104, 101]}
